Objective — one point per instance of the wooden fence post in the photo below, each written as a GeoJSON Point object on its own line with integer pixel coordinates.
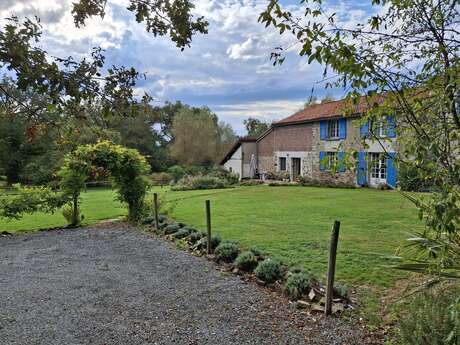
{"type": "Point", "coordinates": [208, 225]}
{"type": "Point", "coordinates": [155, 206]}
{"type": "Point", "coordinates": [331, 268]}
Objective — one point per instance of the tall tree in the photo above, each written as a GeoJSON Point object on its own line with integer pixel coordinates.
{"type": "Point", "coordinates": [199, 139]}
{"type": "Point", "coordinates": [255, 127]}
{"type": "Point", "coordinates": [405, 60]}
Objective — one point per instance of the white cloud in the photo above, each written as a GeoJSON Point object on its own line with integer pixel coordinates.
{"type": "Point", "coordinates": [229, 69]}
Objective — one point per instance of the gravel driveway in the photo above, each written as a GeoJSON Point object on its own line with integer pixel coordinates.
{"type": "Point", "coordinates": [122, 286]}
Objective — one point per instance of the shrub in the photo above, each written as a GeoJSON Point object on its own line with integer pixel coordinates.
{"type": "Point", "coordinates": [199, 182]}
{"type": "Point", "coordinates": [171, 229]}
{"type": "Point", "coordinates": [72, 218]}
{"type": "Point", "coordinates": [268, 271]}
{"type": "Point", "coordinates": [297, 285]}
{"type": "Point", "coordinates": [148, 220]}
{"type": "Point", "coordinates": [246, 261]}
{"type": "Point", "coordinates": [432, 318]}
{"type": "Point", "coordinates": [182, 233]}
{"type": "Point", "coordinates": [28, 200]}
{"type": "Point", "coordinates": [196, 236]}
{"type": "Point", "coordinates": [341, 290]}
{"type": "Point", "coordinates": [215, 241]}
{"type": "Point", "coordinates": [160, 179]}
{"type": "Point", "coordinates": [202, 243]}
{"type": "Point", "coordinates": [176, 172]}
{"type": "Point", "coordinates": [162, 218]}
{"type": "Point", "coordinates": [251, 182]}
{"type": "Point", "coordinates": [227, 251]}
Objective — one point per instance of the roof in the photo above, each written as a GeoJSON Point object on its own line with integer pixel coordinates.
{"type": "Point", "coordinates": [326, 110]}
{"type": "Point", "coordinates": [236, 146]}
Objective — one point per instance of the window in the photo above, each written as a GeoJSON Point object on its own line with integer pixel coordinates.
{"type": "Point", "coordinates": [380, 128]}
{"type": "Point", "coordinates": [331, 160]}
{"type": "Point", "coordinates": [282, 163]}
{"type": "Point", "coordinates": [378, 166]}
{"type": "Point", "coordinates": [333, 129]}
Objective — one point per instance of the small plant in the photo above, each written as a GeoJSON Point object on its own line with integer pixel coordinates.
{"type": "Point", "coordinates": [227, 251]}
{"type": "Point", "coordinates": [297, 285]}
{"type": "Point", "coordinates": [246, 261]}
{"type": "Point", "coordinates": [341, 290]}
{"type": "Point", "coordinates": [182, 233]}
{"type": "Point", "coordinates": [194, 237]}
{"type": "Point", "coordinates": [200, 182]}
{"type": "Point", "coordinates": [215, 241]}
{"type": "Point", "coordinates": [171, 229]}
{"type": "Point", "coordinates": [162, 218]}
{"type": "Point", "coordinates": [268, 271]}
{"type": "Point", "coordinates": [148, 220]}
{"type": "Point", "coordinates": [257, 252]}
{"type": "Point", "coordinates": [431, 317]}
{"type": "Point", "coordinates": [73, 218]}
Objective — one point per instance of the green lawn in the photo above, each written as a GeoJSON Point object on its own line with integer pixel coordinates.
{"type": "Point", "coordinates": [290, 223]}
{"type": "Point", "coordinates": [294, 225]}
{"type": "Point", "coordinates": [97, 204]}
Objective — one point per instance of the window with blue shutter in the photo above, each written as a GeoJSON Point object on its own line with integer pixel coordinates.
{"type": "Point", "coordinates": [364, 130]}
{"type": "Point", "coordinates": [391, 127]}
{"type": "Point", "coordinates": [323, 130]}
{"type": "Point", "coordinates": [362, 169]}
{"type": "Point", "coordinates": [341, 167]}
{"type": "Point", "coordinates": [322, 163]}
{"type": "Point", "coordinates": [391, 170]}
{"type": "Point", "coordinates": [342, 128]}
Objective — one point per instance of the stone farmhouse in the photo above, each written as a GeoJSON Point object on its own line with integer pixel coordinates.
{"type": "Point", "coordinates": [312, 143]}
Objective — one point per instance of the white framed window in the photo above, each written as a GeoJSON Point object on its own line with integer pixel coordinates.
{"type": "Point", "coordinates": [378, 165]}
{"type": "Point", "coordinates": [332, 159]}
{"type": "Point", "coordinates": [333, 129]}
{"type": "Point", "coordinates": [282, 163]}
{"type": "Point", "coordinates": [380, 128]}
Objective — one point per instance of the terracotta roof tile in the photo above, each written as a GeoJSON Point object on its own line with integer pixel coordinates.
{"type": "Point", "coordinates": [325, 110]}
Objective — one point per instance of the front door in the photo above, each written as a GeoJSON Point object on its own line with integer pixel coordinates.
{"type": "Point", "coordinates": [378, 171]}
{"type": "Point", "coordinates": [295, 168]}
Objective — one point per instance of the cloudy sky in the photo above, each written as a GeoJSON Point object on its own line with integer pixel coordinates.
{"type": "Point", "coordinates": [228, 69]}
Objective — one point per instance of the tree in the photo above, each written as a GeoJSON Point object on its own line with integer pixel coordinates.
{"type": "Point", "coordinates": [405, 61]}
{"type": "Point", "coordinates": [198, 137]}
{"type": "Point", "coordinates": [68, 86]}
{"type": "Point", "coordinates": [255, 127]}
{"type": "Point", "coordinates": [161, 17]}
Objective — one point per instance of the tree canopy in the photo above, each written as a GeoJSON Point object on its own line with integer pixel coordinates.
{"type": "Point", "coordinates": [199, 139]}
{"type": "Point", "coordinates": [68, 86]}
{"type": "Point", "coordinates": [255, 127]}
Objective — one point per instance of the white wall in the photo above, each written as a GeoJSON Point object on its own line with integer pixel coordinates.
{"type": "Point", "coordinates": [235, 163]}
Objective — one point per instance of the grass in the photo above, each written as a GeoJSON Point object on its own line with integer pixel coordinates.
{"type": "Point", "coordinates": [293, 224]}
{"type": "Point", "coordinates": [97, 204]}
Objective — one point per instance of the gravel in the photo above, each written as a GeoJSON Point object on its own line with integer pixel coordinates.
{"type": "Point", "coordinates": [115, 285]}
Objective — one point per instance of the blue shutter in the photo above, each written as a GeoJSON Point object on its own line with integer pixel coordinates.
{"type": "Point", "coordinates": [342, 128]}
{"type": "Point", "coordinates": [362, 167]}
{"type": "Point", "coordinates": [322, 163]}
{"type": "Point", "coordinates": [391, 170]}
{"type": "Point", "coordinates": [323, 130]}
{"type": "Point", "coordinates": [364, 130]}
{"type": "Point", "coordinates": [342, 167]}
{"type": "Point", "coordinates": [391, 132]}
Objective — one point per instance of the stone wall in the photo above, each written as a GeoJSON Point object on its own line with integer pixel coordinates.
{"type": "Point", "coordinates": [352, 141]}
